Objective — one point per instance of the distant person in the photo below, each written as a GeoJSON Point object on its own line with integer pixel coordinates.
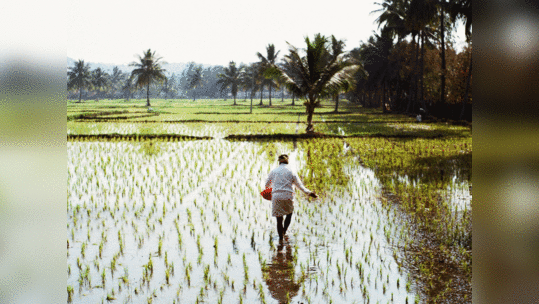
{"type": "Point", "coordinates": [281, 180]}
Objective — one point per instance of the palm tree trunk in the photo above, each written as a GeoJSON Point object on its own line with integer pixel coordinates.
{"type": "Point", "coordinates": [384, 97]}
{"type": "Point", "coordinates": [148, 95]}
{"type": "Point", "coordinates": [270, 94]}
{"type": "Point", "coordinates": [413, 82]}
{"type": "Point", "coordinates": [80, 95]}
{"type": "Point", "coordinates": [443, 54]}
{"type": "Point", "coordinates": [310, 112]}
{"type": "Point", "coordinates": [234, 99]}
{"type": "Point", "coordinates": [282, 95]}
{"type": "Point", "coordinates": [465, 101]}
{"type": "Point", "coordinates": [293, 98]}
{"type": "Point", "coordinates": [337, 103]}
{"type": "Point", "coordinates": [261, 93]}
{"type": "Point", "coordinates": [421, 87]}
{"type": "Point", "coordinates": [166, 88]}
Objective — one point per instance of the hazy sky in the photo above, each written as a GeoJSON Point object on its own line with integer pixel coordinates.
{"type": "Point", "coordinates": [208, 32]}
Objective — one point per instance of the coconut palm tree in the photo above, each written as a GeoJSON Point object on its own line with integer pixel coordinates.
{"type": "Point", "coordinates": [147, 71]}
{"type": "Point", "coordinates": [249, 80]}
{"type": "Point", "coordinates": [232, 77]}
{"type": "Point", "coordinates": [320, 72]}
{"type": "Point", "coordinates": [115, 81]}
{"type": "Point", "coordinates": [393, 17]}
{"type": "Point", "coordinates": [266, 61]}
{"type": "Point", "coordinates": [79, 77]}
{"type": "Point", "coordinates": [195, 80]}
{"type": "Point", "coordinates": [128, 86]}
{"type": "Point", "coordinates": [100, 81]}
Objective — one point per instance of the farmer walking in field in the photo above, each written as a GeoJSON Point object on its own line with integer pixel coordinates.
{"type": "Point", "coordinates": [281, 180]}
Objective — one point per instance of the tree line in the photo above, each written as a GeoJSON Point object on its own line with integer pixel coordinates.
{"type": "Point", "coordinates": [194, 82]}
{"type": "Point", "coordinates": [408, 67]}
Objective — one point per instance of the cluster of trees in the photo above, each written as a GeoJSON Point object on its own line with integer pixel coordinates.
{"type": "Point", "coordinates": [194, 82]}
{"type": "Point", "coordinates": [410, 64]}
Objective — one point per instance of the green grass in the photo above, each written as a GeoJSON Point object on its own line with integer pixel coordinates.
{"type": "Point", "coordinates": [221, 118]}
{"type": "Point", "coordinates": [220, 110]}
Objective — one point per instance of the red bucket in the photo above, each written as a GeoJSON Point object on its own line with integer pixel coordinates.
{"type": "Point", "coordinates": [266, 194]}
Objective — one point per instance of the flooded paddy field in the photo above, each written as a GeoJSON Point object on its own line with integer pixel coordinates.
{"type": "Point", "coordinates": [184, 222]}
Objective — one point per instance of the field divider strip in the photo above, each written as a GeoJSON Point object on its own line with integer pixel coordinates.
{"type": "Point", "coordinates": [99, 137]}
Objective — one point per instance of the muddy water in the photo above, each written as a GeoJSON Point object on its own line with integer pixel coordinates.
{"type": "Point", "coordinates": [340, 248]}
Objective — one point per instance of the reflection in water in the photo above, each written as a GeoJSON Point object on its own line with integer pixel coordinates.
{"type": "Point", "coordinates": [279, 274]}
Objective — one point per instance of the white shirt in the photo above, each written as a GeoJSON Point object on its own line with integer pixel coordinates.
{"type": "Point", "coordinates": [281, 180]}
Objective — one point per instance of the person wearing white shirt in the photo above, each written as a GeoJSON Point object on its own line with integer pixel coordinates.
{"type": "Point", "coordinates": [281, 180]}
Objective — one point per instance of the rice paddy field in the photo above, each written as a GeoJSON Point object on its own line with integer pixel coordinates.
{"type": "Point", "coordinates": [181, 220]}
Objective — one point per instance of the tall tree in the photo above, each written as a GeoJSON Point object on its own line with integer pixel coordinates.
{"type": "Point", "coordinates": [337, 47]}
{"type": "Point", "coordinates": [462, 9]}
{"type": "Point", "coordinates": [115, 81]}
{"type": "Point", "coordinates": [147, 71]}
{"type": "Point", "coordinates": [267, 61]}
{"type": "Point", "coordinates": [320, 72]}
{"type": "Point", "coordinates": [420, 14]}
{"type": "Point", "coordinates": [169, 86]}
{"type": "Point", "coordinates": [231, 78]}
{"type": "Point", "coordinates": [100, 81]}
{"type": "Point", "coordinates": [79, 77]}
{"type": "Point", "coordinates": [128, 86]}
{"type": "Point", "coordinates": [393, 17]}
{"type": "Point", "coordinates": [249, 80]}
{"type": "Point", "coordinates": [195, 80]}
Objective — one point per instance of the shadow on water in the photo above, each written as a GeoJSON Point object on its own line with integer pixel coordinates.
{"type": "Point", "coordinates": [279, 274]}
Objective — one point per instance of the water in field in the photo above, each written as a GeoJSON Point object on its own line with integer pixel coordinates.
{"type": "Point", "coordinates": [184, 222]}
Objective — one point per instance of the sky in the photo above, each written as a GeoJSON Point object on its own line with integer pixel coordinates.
{"type": "Point", "coordinates": [209, 32]}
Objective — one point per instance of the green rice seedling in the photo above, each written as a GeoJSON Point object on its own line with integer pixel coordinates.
{"type": "Point", "coordinates": [113, 265]}
{"type": "Point", "coordinates": [167, 275]}
{"type": "Point", "coordinates": [125, 277]}
{"type": "Point", "coordinates": [83, 250]}
{"type": "Point", "coordinates": [216, 245]}
{"type": "Point", "coordinates": [100, 249]}
{"type": "Point", "coordinates": [96, 263]}
{"type": "Point", "coordinates": [245, 269]}
{"type": "Point", "coordinates": [103, 277]}
{"type": "Point", "coordinates": [207, 274]}
{"type": "Point", "coordinates": [188, 273]}
{"type": "Point", "coordinates": [69, 293]}
{"type": "Point", "coordinates": [160, 246]}
{"type": "Point", "coordinates": [199, 258]}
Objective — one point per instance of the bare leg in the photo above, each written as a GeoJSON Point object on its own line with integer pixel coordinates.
{"type": "Point", "coordinates": [287, 222]}
{"type": "Point", "coordinates": [280, 229]}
